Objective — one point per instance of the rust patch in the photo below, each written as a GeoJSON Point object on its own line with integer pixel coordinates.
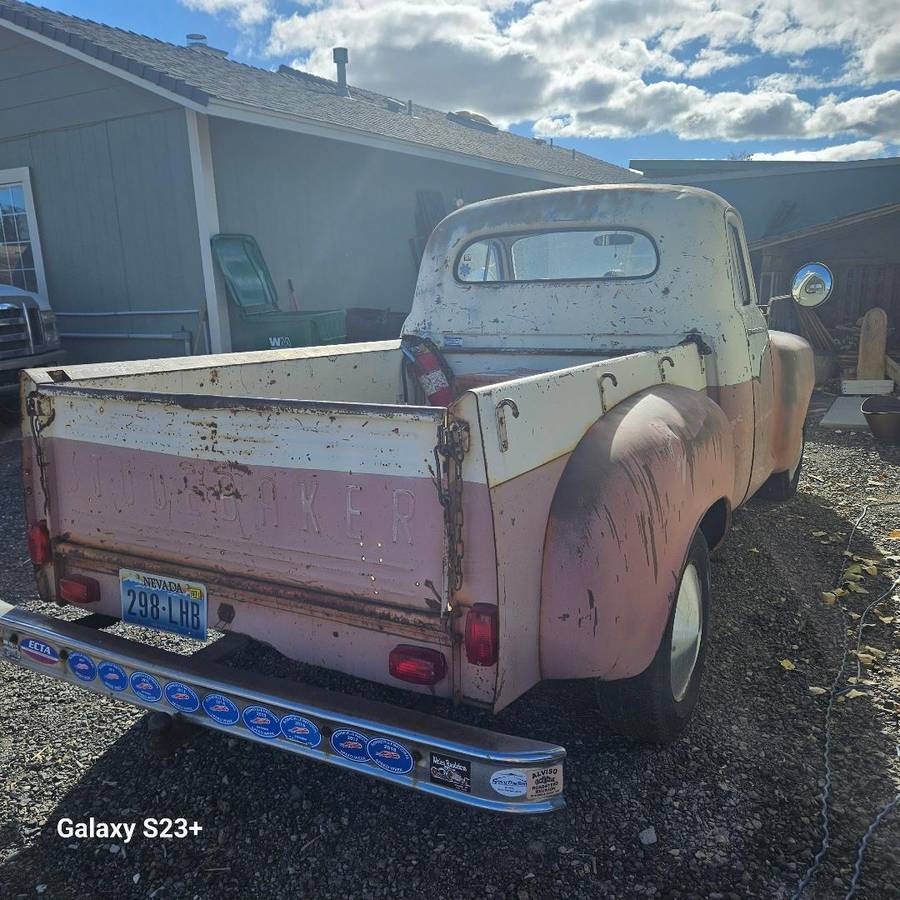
{"type": "Point", "coordinates": [625, 509]}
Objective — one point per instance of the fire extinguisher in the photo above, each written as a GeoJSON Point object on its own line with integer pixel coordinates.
{"type": "Point", "coordinates": [435, 377]}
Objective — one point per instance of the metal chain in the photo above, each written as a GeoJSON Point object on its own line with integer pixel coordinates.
{"type": "Point", "coordinates": [35, 421]}
{"type": "Point", "coordinates": [453, 446]}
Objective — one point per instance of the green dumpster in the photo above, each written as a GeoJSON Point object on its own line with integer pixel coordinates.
{"type": "Point", "coordinates": [261, 324]}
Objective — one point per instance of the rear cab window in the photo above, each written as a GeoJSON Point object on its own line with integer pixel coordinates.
{"type": "Point", "coordinates": [604, 254]}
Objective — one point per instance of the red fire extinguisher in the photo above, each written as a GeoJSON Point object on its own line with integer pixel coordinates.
{"type": "Point", "coordinates": [432, 373]}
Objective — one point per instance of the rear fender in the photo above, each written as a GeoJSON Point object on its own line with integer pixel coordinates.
{"type": "Point", "coordinates": [629, 501]}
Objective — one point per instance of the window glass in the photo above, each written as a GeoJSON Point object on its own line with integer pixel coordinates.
{"type": "Point", "coordinates": [16, 257]}
{"type": "Point", "coordinates": [560, 256]}
{"type": "Point", "coordinates": [743, 282]}
{"type": "Point", "coordinates": [480, 262]}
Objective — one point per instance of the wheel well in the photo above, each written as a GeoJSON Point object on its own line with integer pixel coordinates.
{"type": "Point", "coordinates": [716, 522]}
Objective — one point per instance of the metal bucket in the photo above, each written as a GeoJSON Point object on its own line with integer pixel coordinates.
{"type": "Point", "coordinates": [883, 417]}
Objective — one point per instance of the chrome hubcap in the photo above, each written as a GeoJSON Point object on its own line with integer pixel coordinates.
{"type": "Point", "coordinates": [687, 628]}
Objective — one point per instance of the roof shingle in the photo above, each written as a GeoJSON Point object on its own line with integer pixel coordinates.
{"type": "Point", "coordinates": [202, 76]}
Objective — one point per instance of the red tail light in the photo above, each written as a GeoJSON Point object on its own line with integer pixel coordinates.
{"type": "Point", "coordinates": [79, 589]}
{"type": "Point", "coordinates": [39, 548]}
{"type": "Point", "coordinates": [417, 665]}
{"type": "Point", "coordinates": [481, 635]}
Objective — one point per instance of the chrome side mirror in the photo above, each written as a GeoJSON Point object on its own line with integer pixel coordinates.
{"type": "Point", "coordinates": [812, 285]}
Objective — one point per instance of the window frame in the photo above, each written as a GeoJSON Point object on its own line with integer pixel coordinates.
{"type": "Point", "coordinates": [743, 275]}
{"type": "Point", "coordinates": [495, 246]}
{"type": "Point", "coordinates": [22, 176]}
{"type": "Point", "coordinates": [505, 238]}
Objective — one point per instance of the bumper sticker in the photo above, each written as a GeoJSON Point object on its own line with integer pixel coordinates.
{"type": "Point", "coordinates": [113, 676]}
{"type": "Point", "coordinates": [146, 687]}
{"type": "Point", "coordinates": [261, 722]}
{"type": "Point", "coordinates": [39, 651]}
{"type": "Point", "coordinates": [547, 782]}
{"type": "Point", "coordinates": [301, 730]}
{"type": "Point", "coordinates": [220, 709]}
{"type": "Point", "coordinates": [451, 772]}
{"type": "Point", "coordinates": [350, 744]}
{"type": "Point", "coordinates": [82, 667]}
{"type": "Point", "coordinates": [510, 782]}
{"type": "Point", "coordinates": [182, 697]}
{"type": "Point", "coordinates": [390, 756]}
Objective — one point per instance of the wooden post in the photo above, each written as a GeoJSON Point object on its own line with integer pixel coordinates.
{"type": "Point", "coordinates": [872, 345]}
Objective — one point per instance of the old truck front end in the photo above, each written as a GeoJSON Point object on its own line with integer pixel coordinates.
{"type": "Point", "coordinates": [193, 497]}
{"type": "Point", "coordinates": [28, 336]}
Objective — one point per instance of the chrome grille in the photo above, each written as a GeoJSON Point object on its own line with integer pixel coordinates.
{"type": "Point", "coordinates": [35, 326]}
{"type": "Point", "coordinates": [13, 330]}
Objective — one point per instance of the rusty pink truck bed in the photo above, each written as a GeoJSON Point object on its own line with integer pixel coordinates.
{"type": "Point", "coordinates": [526, 486]}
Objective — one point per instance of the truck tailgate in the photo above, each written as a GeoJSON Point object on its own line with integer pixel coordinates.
{"type": "Point", "coordinates": [338, 498]}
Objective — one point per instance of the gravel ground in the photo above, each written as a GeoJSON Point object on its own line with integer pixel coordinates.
{"type": "Point", "coordinates": [734, 805]}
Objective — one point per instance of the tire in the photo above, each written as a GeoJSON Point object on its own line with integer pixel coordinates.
{"type": "Point", "coordinates": [655, 706]}
{"type": "Point", "coordinates": [782, 486]}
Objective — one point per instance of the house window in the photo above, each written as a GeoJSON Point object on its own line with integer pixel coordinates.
{"type": "Point", "coordinates": [20, 251]}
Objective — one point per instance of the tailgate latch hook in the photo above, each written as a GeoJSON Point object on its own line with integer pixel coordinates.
{"type": "Point", "coordinates": [501, 421]}
{"type": "Point", "coordinates": [606, 376]}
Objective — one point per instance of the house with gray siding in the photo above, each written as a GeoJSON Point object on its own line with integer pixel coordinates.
{"type": "Point", "coordinates": [130, 153]}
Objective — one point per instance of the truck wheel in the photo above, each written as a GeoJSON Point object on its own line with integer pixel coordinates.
{"type": "Point", "coordinates": [654, 706]}
{"type": "Point", "coordinates": [783, 485]}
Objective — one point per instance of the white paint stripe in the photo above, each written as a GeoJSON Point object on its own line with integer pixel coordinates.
{"type": "Point", "coordinates": [373, 444]}
{"type": "Point", "coordinates": [556, 409]}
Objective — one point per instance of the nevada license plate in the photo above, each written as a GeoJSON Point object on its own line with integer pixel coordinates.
{"type": "Point", "coordinates": [163, 602]}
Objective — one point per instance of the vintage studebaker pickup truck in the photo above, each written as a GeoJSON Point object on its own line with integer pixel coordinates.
{"type": "Point", "coordinates": [526, 486]}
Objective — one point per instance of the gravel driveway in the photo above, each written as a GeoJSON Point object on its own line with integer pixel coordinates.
{"type": "Point", "coordinates": [734, 805]}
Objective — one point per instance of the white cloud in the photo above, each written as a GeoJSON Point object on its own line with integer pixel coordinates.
{"type": "Point", "coordinates": [835, 153]}
{"type": "Point", "coordinates": [881, 60]}
{"type": "Point", "coordinates": [445, 54]}
{"type": "Point", "coordinates": [876, 116]}
{"type": "Point", "coordinates": [245, 12]}
{"type": "Point", "coordinates": [607, 68]}
{"type": "Point", "coordinates": [709, 60]}
{"type": "Point", "coordinates": [799, 80]}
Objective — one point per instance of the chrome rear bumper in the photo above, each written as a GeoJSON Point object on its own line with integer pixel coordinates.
{"type": "Point", "coordinates": [456, 762]}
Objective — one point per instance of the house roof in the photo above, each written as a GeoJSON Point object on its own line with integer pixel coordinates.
{"type": "Point", "coordinates": [708, 169]}
{"type": "Point", "coordinates": [812, 231]}
{"type": "Point", "coordinates": [777, 198]}
{"type": "Point", "coordinates": [202, 78]}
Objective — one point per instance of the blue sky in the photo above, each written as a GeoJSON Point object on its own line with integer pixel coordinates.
{"type": "Point", "coordinates": [619, 79]}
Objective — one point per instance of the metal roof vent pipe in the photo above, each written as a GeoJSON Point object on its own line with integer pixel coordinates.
{"type": "Point", "coordinates": [341, 58]}
{"type": "Point", "coordinates": [196, 40]}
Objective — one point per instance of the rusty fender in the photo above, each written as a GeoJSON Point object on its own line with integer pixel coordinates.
{"type": "Point", "coordinates": [793, 375]}
{"type": "Point", "coordinates": [621, 521]}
